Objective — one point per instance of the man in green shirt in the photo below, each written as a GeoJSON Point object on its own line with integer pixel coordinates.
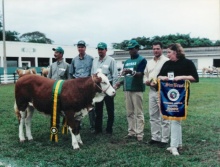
{"type": "Point", "coordinates": [133, 87]}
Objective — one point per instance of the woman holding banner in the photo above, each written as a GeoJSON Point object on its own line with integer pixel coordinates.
{"type": "Point", "coordinates": [176, 69]}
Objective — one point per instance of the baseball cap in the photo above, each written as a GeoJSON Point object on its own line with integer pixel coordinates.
{"type": "Point", "coordinates": [102, 45]}
{"type": "Point", "coordinates": [58, 49]}
{"type": "Point", "coordinates": [132, 43]}
{"type": "Point", "coordinates": [81, 42]}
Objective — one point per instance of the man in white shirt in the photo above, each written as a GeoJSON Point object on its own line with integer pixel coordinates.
{"type": "Point", "coordinates": [160, 128]}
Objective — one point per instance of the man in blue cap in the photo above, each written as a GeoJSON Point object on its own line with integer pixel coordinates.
{"type": "Point", "coordinates": [80, 67]}
{"type": "Point", "coordinates": [133, 71]}
{"type": "Point", "coordinates": [107, 65]}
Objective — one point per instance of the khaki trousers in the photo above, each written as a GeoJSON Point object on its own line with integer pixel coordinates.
{"type": "Point", "coordinates": [160, 128]}
{"type": "Point", "coordinates": [135, 115]}
{"type": "Point", "coordinates": [176, 134]}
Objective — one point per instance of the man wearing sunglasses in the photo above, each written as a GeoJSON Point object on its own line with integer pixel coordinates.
{"type": "Point", "coordinates": [107, 65]}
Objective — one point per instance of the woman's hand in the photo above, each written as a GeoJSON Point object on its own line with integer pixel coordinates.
{"type": "Point", "coordinates": [163, 78]}
{"type": "Point", "coordinates": [178, 78]}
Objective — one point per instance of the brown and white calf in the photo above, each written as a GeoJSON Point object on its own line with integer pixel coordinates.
{"type": "Point", "coordinates": [76, 97]}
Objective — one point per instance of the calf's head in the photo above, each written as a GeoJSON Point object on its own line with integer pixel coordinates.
{"type": "Point", "coordinates": [105, 85]}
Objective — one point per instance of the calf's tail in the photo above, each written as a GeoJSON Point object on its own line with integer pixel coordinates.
{"type": "Point", "coordinates": [17, 112]}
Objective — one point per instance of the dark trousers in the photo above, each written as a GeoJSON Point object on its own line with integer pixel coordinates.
{"type": "Point", "coordinates": [109, 103]}
{"type": "Point", "coordinates": [92, 119]}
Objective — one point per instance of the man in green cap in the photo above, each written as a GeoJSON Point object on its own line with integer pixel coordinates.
{"type": "Point", "coordinates": [107, 65]}
{"type": "Point", "coordinates": [134, 87]}
{"type": "Point", "coordinates": [59, 69]}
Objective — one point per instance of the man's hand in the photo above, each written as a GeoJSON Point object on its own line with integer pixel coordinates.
{"type": "Point", "coordinates": [126, 71]}
{"type": "Point", "coordinates": [117, 85]}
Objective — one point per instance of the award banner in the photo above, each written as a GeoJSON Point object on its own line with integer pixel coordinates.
{"type": "Point", "coordinates": [173, 97]}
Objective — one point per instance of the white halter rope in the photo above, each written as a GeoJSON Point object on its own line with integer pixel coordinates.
{"type": "Point", "coordinates": [100, 87]}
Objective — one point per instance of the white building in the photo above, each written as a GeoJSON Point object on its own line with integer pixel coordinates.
{"type": "Point", "coordinates": [201, 56]}
{"type": "Point", "coordinates": [22, 54]}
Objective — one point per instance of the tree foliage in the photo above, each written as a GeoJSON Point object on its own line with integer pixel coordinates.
{"type": "Point", "coordinates": [9, 35]}
{"type": "Point", "coordinates": [35, 37]}
{"type": "Point", "coordinates": [183, 39]}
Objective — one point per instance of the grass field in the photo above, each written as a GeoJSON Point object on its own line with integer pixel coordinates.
{"type": "Point", "coordinates": [201, 137]}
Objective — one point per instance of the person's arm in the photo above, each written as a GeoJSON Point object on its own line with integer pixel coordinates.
{"type": "Point", "coordinates": [71, 69]}
{"type": "Point", "coordinates": [67, 72]}
{"type": "Point", "coordinates": [185, 77]}
{"type": "Point", "coordinates": [114, 72]}
{"type": "Point", "coordinates": [146, 76]}
{"type": "Point", "coordinates": [50, 72]}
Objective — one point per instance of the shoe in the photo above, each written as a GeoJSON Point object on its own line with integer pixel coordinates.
{"type": "Point", "coordinates": [139, 139]}
{"type": "Point", "coordinates": [129, 137]}
{"type": "Point", "coordinates": [97, 132]}
{"type": "Point", "coordinates": [109, 132]}
{"type": "Point", "coordinates": [92, 130]}
{"type": "Point", "coordinates": [173, 150]}
{"type": "Point", "coordinates": [162, 144]}
{"type": "Point", "coordinates": [179, 148]}
{"type": "Point", "coordinates": [152, 142]}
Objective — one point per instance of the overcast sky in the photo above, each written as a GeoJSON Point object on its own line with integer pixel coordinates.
{"type": "Point", "coordinates": [68, 21]}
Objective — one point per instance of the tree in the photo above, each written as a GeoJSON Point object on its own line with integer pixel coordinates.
{"type": "Point", "coordinates": [183, 39]}
{"type": "Point", "coordinates": [9, 35]}
{"type": "Point", "coordinates": [217, 43]}
{"type": "Point", "coordinates": [35, 37]}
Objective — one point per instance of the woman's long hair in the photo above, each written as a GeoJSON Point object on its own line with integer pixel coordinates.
{"type": "Point", "coordinates": [179, 50]}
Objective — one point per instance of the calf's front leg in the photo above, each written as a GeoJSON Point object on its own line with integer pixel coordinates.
{"type": "Point", "coordinates": [74, 140]}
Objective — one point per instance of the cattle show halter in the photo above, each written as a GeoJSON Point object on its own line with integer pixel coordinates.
{"type": "Point", "coordinates": [104, 91]}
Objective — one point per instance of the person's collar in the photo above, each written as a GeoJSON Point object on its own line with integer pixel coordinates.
{"type": "Point", "coordinates": [158, 58]}
{"type": "Point", "coordinates": [81, 58]}
{"type": "Point", "coordinates": [135, 56]}
{"type": "Point", "coordinates": [103, 58]}
{"type": "Point", "coordinates": [59, 61]}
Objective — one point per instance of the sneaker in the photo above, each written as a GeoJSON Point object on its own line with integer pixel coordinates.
{"type": "Point", "coordinates": [173, 150]}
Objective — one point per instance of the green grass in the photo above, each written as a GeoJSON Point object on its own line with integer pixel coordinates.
{"type": "Point", "coordinates": [201, 137]}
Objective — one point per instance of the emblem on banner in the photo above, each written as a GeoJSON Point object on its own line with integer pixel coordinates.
{"type": "Point", "coordinates": [173, 95]}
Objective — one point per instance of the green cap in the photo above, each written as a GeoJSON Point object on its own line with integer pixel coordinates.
{"type": "Point", "coordinates": [58, 49]}
{"type": "Point", "coordinates": [132, 44]}
{"type": "Point", "coordinates": [102, 45]}
{"type": "Point", "coordinates": [81, 43]}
